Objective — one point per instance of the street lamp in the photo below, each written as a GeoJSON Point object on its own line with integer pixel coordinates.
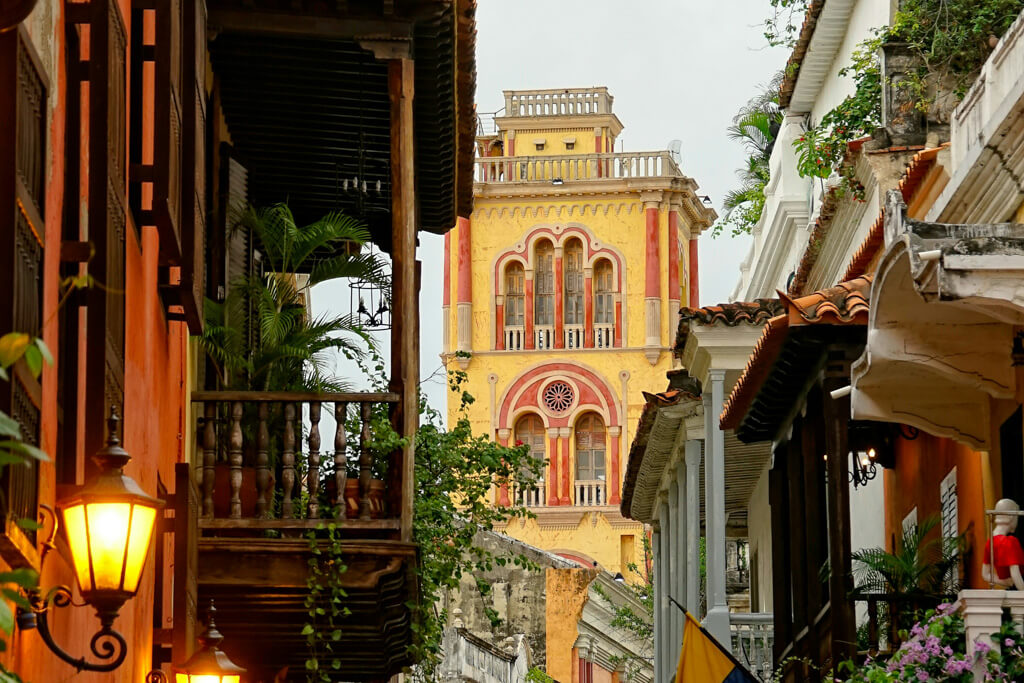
{"type": "Point", "coordinates": [109, 526]}
{"type": "Point", "coordinates": [208, 665]}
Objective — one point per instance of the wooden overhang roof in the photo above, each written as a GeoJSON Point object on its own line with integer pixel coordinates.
{"type": "Point", "coordinates": [796, 58]}
{"type": "Point", "coordinates": [307, 105]}
{"type": "Point", "coordinates": [789, 353]}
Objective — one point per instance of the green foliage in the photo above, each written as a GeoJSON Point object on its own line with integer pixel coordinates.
{"type": "Point", "coordinates": [325, 603]}
{"type": "Point", "coordinates": [290, 351]}
{"type": "Point", "coordinates": [755, 127]}
{"type": "Point", "coordinates": [783, 26]}
{"type": "Point", "coordinates": [919, 565]}
{"type": "Point", "coordinates": [950, 38]}
{"type": "Point", "coordinates": [536, 675]}
{"type": "Point", "coordinates": [456, 471]}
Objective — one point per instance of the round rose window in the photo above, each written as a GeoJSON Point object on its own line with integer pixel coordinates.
{"type": "Point", "coordinates": [558, 396]}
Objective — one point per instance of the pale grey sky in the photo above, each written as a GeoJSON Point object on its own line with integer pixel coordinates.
{"type": "Point", "coordinates": [678, 69]}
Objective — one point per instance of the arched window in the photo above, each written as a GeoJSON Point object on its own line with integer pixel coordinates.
{"type": "Point", "coordinates": [573, 268]}
{"type": "Point", "coordinates": [544, 284]}
{"type": "Point", "coordinates": [530, 432]}
{"type": "Point", "coordinates": [515, 278]}
{"type": "Point", "coordinates": [590, 448]}
{"type": "Point", "coordinates": [604, 289]}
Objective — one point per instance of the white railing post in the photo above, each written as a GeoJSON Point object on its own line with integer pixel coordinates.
{"type": "Point", "coordinates": [983, 615]}
{"type": "Point", "coordinates": [753, 640]}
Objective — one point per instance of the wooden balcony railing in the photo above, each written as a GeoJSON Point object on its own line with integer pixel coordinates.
{"type": "Point", "coordinates": [590, 493]}
{"type": "Point", "coordinates": [575, 167]}
{"type": "Point", "coordinates": [263, 466]}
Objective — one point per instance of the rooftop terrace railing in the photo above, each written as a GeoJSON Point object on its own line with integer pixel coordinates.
{"type": "Point", "coordinates": [576, 167]}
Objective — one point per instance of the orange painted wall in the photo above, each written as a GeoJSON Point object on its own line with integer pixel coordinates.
{"type": "Point", "coordinates": [566, 594]}
{"type": "Point", "coordinates": [921, 465]}
{"type": "Point", "coordinates": [155, 408]}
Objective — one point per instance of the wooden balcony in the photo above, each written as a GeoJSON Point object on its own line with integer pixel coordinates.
{"type": "Point", "coordinates": [275, 468]}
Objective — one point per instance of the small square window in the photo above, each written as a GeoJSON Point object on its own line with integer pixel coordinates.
{"type": "Point", "coordinates": [570, 145]}
{"type": "Point", "coordinates": [540, 146]}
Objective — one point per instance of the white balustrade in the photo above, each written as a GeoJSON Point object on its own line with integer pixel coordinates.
{"type": "Point", "coordinates": [545, 337]}
{"type": "Point", "coordinates": [574, 336]}
{"type": "Point", "coordinates": [575, 167]}
{"type": "Point", "coordinates": [557, 102]}
{"type": "Point", "coordinates": [753, 640]}
{"type": "Point", "coordinates": [531, 496]}
{"type": "Point", "coordinates": [984, 611]}
{"type": "Point", "coordinates": [590, 493]}
{"type": "Point", "coordinates": [604, 336]}
{"type": "Point", "coordinates": [515, 337]}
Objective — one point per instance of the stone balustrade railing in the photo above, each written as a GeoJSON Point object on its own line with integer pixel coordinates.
{"type": "Point", "coordinates": [558, 102]}
{"type": "Point", "coordinates": [604, 335]}
{"type": "Point", "coordinates": [545, 337]}
{"type": "Point", "coordinates": [565, 168]}
{"type": "Point", "coordinates": [531, 496]}
{"type": "Point", "coordinates": [515, 337]}
{"type": "Point", "coordinates": [590, 493]}
{"type": "Point", "coordinates": [998, 79]}
{"type": "Point", "coordinates": [984, 611]}
{"type": "Point", "coordinates": [753, 639]}
{"type": "Point", "coordinates": [575, 335]}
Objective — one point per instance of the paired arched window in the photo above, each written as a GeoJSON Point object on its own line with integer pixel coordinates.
{"type": "Point", "coordinates": [515, 294]}
{"type": "Point", "coordinates": [590, 448]}
{"type": "Point", "coordinates": [572, 263]}
{"type": "Point", "coordinates": [544, 284]}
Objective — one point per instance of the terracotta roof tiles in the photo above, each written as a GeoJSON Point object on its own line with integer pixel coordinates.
{"type": "Point", "coordinates": [755, 312]}
{"type": "Point", "coordinates": [796, 58]}
{"type": "Point", "coordinates": [844, 304]}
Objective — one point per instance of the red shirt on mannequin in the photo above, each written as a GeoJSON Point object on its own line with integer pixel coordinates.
{"type": "Point", "coordinates": [1008, 552]}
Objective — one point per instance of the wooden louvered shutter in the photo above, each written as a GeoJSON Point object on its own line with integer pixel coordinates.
{"type": "Point", "coordinates": [22, 201]}
{"type": "Point", "coordinates": [166, 170]}
{"type": "Point", "coordinates": [193, 162]}
{"type": "Point", "coordinates": [240, 261]}
{"type": "Point", "coordinates": [105, 328]}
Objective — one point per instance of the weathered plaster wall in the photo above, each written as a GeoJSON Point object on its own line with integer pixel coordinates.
{"type": "Point", "coordinates": [759, 533]}
{"type": "Point", "coordinates": [593, 538]}
{"type": "Point", "coordinates": [566, 595]}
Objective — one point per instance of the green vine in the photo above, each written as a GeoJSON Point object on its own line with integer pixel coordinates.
{"type": "Point", "coordinates": [325, 603]}
{"type": "Point", "coordinates": [782, 28]}
{"type": "Point", "coordinates": [951, 40]}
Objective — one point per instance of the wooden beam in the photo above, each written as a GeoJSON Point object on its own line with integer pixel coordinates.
{"type": "Point", "coordinates": [781, 588]}
{"type": "Point", "coordinates": [278, 23]}
{"type": "Point", "coordinates": [405, 293]}
{"type": "Point", "coordinates": [837, 418]}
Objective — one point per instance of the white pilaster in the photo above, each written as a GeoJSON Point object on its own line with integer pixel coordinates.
{"type": "Point", "coordinates": [659, 584]}
{"type": "Point", "coordinates": [666, 606]}
{"type": "Point", "coordinates": [676, 567]}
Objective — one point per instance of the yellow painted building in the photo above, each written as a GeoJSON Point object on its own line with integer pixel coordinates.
{"type": "Point", "coordinates": [564, 288]}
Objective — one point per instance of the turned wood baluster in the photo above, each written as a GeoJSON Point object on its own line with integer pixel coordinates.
{"type": "Point", "coordinates": [313, 474]}
{"type": "Point", "coordinates": [209, 456]}
{"type": "Point", "coordinates": [262, 470]}
{"type": "Point", "coordinates": [340, 460]}
{"type": "Point", "coordinates": [235, 459]}
{"type": "Point", "coordinates": [365, 461]}
{"type": "Point", "coordinates": [288, 462]}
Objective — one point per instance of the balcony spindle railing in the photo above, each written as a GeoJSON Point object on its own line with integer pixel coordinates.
{"type": "Point", "coordinates": [515, 337]}
{"type": "Point", "coordinates": [574, 336]}
{"type": "Point", "coordinates": [257, 437]}
{"type": "Point", "coordinates": [753, 640]}
{"type": "Point", "coordinates": [545, 337]}
{"type": "Point", "coordinates": [576, 167]}
{"type": "Point", "coordinates": [604, 336]}
{"type": "Point", "coordinates": [531, 496]}
{"type": "Point", "coordinates": [590, 493]}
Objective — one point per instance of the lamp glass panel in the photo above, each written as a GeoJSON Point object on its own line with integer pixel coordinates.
{"type": "Point", "coordinates": [108, 535]}
{"type": "Point", "coordinates": [180, 678]}
{"type": "Point", "coordinates": [78, 540]}
{"type": "Point", "coordinates": [212, 678]}
{"type": "Point", "coordinates": [138, 545]}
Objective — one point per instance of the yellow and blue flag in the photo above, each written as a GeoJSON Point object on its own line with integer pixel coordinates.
{"type": "Point", "coordinates": [704, 660]}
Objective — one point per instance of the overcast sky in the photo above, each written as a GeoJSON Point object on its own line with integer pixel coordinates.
{"type": "Point", "coordinates": [678, 69]}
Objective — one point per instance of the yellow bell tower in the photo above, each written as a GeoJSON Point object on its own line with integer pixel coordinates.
{"type": "Point", "coordinates": [567, 281]}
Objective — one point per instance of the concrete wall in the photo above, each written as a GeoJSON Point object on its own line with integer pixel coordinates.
{"type": "Point", "coordinates": [759, 534]}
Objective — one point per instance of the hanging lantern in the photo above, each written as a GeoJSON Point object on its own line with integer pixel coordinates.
{"type": "Point", "coordinates": [370, 303]}
{"type": "Point", "coordinates": [209, 664]}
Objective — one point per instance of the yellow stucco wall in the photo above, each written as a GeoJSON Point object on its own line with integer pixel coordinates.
{"type": "Point", "coordinates": [566, 591]}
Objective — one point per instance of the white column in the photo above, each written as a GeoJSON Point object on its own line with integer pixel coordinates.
{"type": "Point", "coordinates": [717, 619]}
{"type": "Point", "coordinates": [659, 584]}
{"type": "Point", "coordinates": [693, 526]}
{"type": "Point", "coordinates": [666, 571]}
{"type": "Point", "coordinates": [675, 631]}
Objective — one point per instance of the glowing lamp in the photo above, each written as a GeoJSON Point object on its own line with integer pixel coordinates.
{"type": "Point", "coordinates": [209, 664]}
{"type": "Point", "coordinates": [109, 525]}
